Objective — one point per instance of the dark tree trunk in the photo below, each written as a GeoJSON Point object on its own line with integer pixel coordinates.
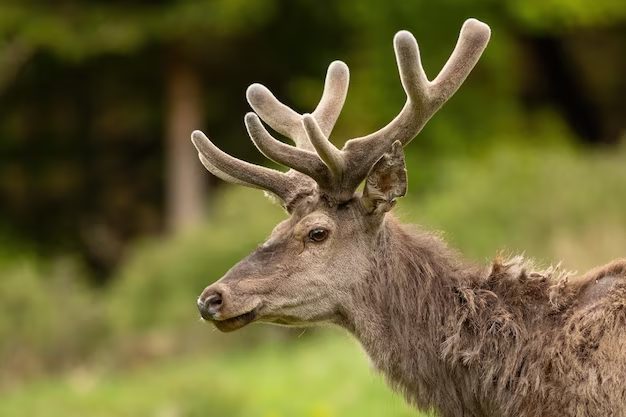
{"type": "Point", "coordinates": [184, 176]}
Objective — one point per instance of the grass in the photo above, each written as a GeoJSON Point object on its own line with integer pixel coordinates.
{"type": "Point", "coordinates": [312, 376]}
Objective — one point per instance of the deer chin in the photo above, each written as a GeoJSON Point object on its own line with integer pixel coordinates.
{"type": "Point", "coordinates": [235, 323]}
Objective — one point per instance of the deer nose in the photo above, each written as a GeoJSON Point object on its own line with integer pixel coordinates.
{"type": "Point", "coordinates": [210, 303]}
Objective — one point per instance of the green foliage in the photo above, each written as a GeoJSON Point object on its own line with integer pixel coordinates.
{"type": "Point", "coordinates": [559, 15]}
{"type": "Point", "coordinates": [312, 377]}
{"type": "Point", "coordinates": [82, 29]}
{"type": "Point", "coordinates": [47, 316]}
{"type": "Point", "coordinates": [531, 200]}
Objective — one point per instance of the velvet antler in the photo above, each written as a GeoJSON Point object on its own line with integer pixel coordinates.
{"type": "Point", "coordinates": [338, 173]}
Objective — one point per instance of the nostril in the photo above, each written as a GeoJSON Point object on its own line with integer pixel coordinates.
{"type": "Point", "coordinates": [213, 303]}
{"type": "Point", "coordinates": [210, 302]}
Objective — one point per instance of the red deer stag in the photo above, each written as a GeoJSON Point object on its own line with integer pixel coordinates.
{"type": "Point", "coordinates": [504, 340]}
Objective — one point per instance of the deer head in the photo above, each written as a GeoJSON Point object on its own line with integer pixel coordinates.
{"type": "Point", "coordinates": [304, 272]}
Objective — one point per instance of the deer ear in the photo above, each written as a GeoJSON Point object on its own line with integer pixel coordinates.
{"type": "Point", "coordinates": [386, 181]}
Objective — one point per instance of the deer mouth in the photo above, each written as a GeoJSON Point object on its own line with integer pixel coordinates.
{"type": "Point", "coordinates": [235, 323]}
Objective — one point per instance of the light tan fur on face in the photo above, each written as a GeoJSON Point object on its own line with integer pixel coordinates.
{"type": "Point", "coordinates": [292, 280]}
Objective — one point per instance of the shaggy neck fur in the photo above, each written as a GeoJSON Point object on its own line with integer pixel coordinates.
{"type": "Point", "coordinates": [486, 342]}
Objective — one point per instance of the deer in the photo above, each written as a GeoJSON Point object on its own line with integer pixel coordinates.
{"type": "Point", "coordinates": [462, 339]}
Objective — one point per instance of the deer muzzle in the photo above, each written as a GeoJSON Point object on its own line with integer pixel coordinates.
{"type": "Point", "coordinates": [215, 305]}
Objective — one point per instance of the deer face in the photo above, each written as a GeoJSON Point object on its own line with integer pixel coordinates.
{"type": "Point", "coordinates": [304, 272]}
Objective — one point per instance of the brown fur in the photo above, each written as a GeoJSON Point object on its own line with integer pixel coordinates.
{"type": "Point", "coordinates": [502, 341]}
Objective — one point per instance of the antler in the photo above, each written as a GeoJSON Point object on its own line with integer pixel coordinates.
{"type": "Point", "coordinates": [339, 172]}
{"type": "Point", "coordinates": [284, 120]}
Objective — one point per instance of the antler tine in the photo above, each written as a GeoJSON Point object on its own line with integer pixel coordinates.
{"type": "Point", "coordinates": [334, 96]}
{"type": "Point", "coordinates": [287, 121]}
{"type": "Point", "coordinates": [280, 117]}
{"type": "Point", "coordinates": [472, 41]}
{"type": "Point", "coordinates": [412, 75]}
{"type": "Point", "coordinates": [424, 98]}
{"type": "Point", "coordinates": [234, 170]}
{"type": "Point", "coordinates": [301, 160]}
{"type": "Point", "coordinates": [331, 156]}
{"type": "Point", "coordinates": [220, 174]}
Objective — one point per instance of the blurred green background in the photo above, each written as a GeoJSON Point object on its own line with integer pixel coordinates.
{"type": "Point", "coordinates": [109, 228]}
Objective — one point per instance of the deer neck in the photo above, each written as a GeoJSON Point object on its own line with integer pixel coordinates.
{"type": "Point", "coordinates": [401, 309]}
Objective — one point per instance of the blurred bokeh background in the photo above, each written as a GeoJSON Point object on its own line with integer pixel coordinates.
{"type": "Point", "coordinates": [109, 228]}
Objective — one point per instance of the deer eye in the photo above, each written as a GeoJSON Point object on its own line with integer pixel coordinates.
{"type": "Point", "coordinates": [318, 234]}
